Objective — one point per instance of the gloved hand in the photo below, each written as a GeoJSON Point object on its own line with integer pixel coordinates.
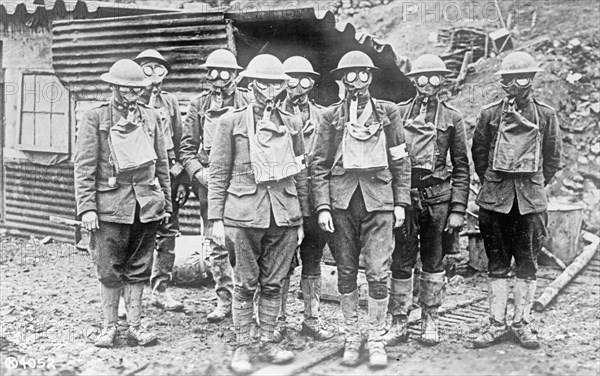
{"type": "Point", "coordinates": [90, 220]}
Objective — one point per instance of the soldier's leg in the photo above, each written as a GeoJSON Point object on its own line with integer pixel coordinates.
{"type": "Point", "coordinates": [281, 329]}
{"type": "Point", "coordinates": [278, 248]}
{"type": "Point", "coordinates": [164, 259]}
{"type": "Point", "coordinates": [433, 277]}
{"type": "Point", "coordinates": [404, 259]}
{"type": "Point", "coordinates": [311, 252]}
{"type": "Point", "coordinates": [142, 242]}
{"type": "Point", "coordinates": [245, 244]}
{"type": "Point", "coordinates": [221, 268]}
{"type": "Point", "coordinates": [345, 248]}
{"type": "Point", "coordinates": [528, 242]}
{"type": "Point", "coordinates": [378, 246]}
{"type": "Point", "coordinates": [107, 248]}
{"type": "Point", "coordinates": [495, 229]}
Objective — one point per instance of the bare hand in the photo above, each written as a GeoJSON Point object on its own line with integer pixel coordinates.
{"type": "Point", "coordinates": [399, 216]}
{"type": "Point", "coordinates": [326, 221]}
{"type": "Point", "coordinates": [89, 220]}
{"type": "Point", "coordinates": [300, 235]}
{"type": "Point", "coordinates": [165, 220]}
{"type": "Point", "coordinates": [182, 195]}
{"type": "Point", "coordinates": [455, 222]}
{"type": "Point", "coordinates": [218, 233]}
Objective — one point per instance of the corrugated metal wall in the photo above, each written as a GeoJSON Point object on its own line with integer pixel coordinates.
{"type": "Point", "coordinates": [83, 50]}
{"type": "Point", "coordinates": [35, 192]}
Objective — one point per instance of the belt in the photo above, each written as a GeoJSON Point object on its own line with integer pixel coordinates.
{"type": "Point", "coordinates": [432, 191]}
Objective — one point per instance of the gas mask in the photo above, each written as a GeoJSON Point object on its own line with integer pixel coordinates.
{"type": "Point", "coordinates": [518, 87]}
{"type": "Point", "coordinates": [155, 72]}
{"type": "Point", "coordinates": [428, 85]}
{"type": "Point", "coordinates": [298, 88]}
{"type": "Point", "coordinates": [127, 96]}
{"type": "Point", "coordinates": [220, 78]}
{"type": "Point", "coordinates": [267, 90]}
{"type": "Point", "coordinates": [357, 81]}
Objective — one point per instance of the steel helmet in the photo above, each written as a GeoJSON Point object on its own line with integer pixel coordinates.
{"type": "Point", "coordinates": [354, 59]}
{"type": "Point", "coordinates": [126, 72]}
{"type": "Point", "coordinates": [518, 62]}
{"type": "Point", "coordinates": [428, 63]}
{"type": "Point", "coordinates": [221, 58]}
{"type": "Point", "coordinates": [298, 64]}
{"type": "Point", "coordinates": [266, 67]}
{"type": "Point", "coordinates": [153, 56]}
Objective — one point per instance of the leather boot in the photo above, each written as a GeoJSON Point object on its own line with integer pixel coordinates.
{"type": "Point", "coordinates": [281, 328]}
{"type": "Point", "coordinates": [269, 351]}
{"type": "Point", "coordinates": [311, 294]}
{"type": "Point", "coordinates": [133, 301]}
{"type": "Point", "coordinates": [162, 299]}
{"type": "Point", "coordinates": [524, 293]}
{"type": "Point", "coordinates": [376, 343]}
{"type": "Point", "coordinates": [244, 326]}
{"type": "Point", "coordinates": [349, 304]}
{"type": "Point", "coordinates": [110, 301]}
{"type": "Point", "coordinates": [497, 329]}
{"type": "Point", "coordinates": [401, 297]}
{"type": "Point", "coordinates": [433, 288]}
{"type": "Point", "coordinates": [223, 275]}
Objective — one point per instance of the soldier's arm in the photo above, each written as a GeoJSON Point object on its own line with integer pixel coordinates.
{"type": "Point", "coordinates": [177, 123]}
{"type": "Point", "coordinates": [482, 137]}
{"type": "Point", "coordinates": [162, 162]}
{"type": "Point", "coordinates": [86, 162]}
{"type": "Point", "coordinates": [460, 167]}
{"type": "Point", "coordinates": [220, 167]}
{"type": "Point", "coordinates": [322, 161]}
{"type": "Point", "coordinates": [302, 177]}
{"type": "Point", "coordinates": [190, 140]}
{"type": "Point", "coordinates": [552, 148]}
{"type": "Point", "coordinates": [398, 160]}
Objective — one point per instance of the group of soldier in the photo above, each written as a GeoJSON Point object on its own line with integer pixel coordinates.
{"type": "Point", "coordinates": [275, 172]}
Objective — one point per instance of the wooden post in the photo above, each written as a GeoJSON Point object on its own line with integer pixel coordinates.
{"type": "Point", "coordinates": [462, 75]}
{"type": "Point", "coordinates": [569, 273]}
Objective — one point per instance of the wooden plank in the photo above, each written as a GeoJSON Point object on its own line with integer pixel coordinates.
{"type": "Point", "coordinates": [303, 361]}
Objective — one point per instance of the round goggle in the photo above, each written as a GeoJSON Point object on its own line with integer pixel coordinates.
{"type": "Point", "coordinates": [304, 82]}
{"type": "Point", "coordinates": [522, 82]}
{"type": "Point", "coordinates": [123, 90]}
{"type": "Point", "coordinates": [361, 75]}
{"type": "Point", "coordinates": [431, 80]}
{"type": "Point", "coordinates": [215, 74]}
{"type": "Point", "coordinates": [263, 85]}
{"type": "Point", "coordinates": [157, 70]}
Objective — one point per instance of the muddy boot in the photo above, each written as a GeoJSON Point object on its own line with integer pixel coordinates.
{"type": "Point", "coordinates": [268, 309]}
{"type": "Point", "coordinates": [376, 343]}
{"type": "Point", "coordinates": [525, 335]}
{"type": "Point", "coordinates": [433, 287]}
{"type": "Point", "coordinates": [162, 299]}
{"type": "Point", "coordinates": [349, 304]}
{"type": "Point", "coordinates": [223, 275]}
{"type": "Point", "coordinates": [497, 329]}
{"type": "Point", "coordinates": [244, 326]}
{"type": "Point", "coordinates": [311, 294]}
{"type": "Point", "coordinates": [400, 305]}
{"type": "Point", "coordinates": [110, 301]}
{"type": "Point", "coordinates": [133, 301]}
{"type": "Point", "coordinates": [281, 328]}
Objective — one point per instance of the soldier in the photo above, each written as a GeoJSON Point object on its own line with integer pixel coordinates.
{"type": "Point", "coordinates": [156, 68]}
{"type": "Point", "coordinates": [199, 127]}
{"type": "Point", "coordinates": [257, 197]}
{"type": "Point", "coordinates": [123, 193]}
{"type": "Point", "coordinates": [439, 193]}
{"type": "Point", "coordinates": [297, 102]}
{"type": "Point", "coordinates": [516, 152]}
{"type": "Point", "coordinates": [360, 185]}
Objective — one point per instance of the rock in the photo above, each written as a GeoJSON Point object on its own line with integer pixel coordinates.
{"type": "Point", "coordinates": [595, 107]}
{"type": "Point", "coordinates": [582, 160]}
{"type": "Point", "coordinates": [365, 4]}
{"type": "Point", "coordinates": [574, 77]}
{"type": "Point", "coordinates": [595, 148]}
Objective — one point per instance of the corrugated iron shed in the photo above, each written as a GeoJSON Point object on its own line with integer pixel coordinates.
{"type": "Point", "coordinates": [82, 50]}
{"type": "Point", "coordinates": [28, 16]}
